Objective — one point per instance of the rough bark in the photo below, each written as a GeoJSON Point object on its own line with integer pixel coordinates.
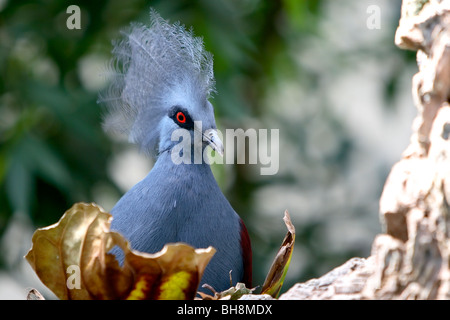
{"type": "Point", "coordinates": [342, 283]}
{"type": "Point", "coordinates": [411, 259]}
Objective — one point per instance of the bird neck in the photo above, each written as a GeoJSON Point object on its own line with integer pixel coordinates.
{"type": "Point", "coordinates": [185, 165]}
{"type": "Point", "coordinates": [179, 154]}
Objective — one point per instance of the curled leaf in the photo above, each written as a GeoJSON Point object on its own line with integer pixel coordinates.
{"type": "Point", "coordinates": [71, 258]}
{"type": "Point", "coordinates": [275, 278]}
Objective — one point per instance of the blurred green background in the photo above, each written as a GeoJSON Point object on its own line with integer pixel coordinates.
{"type": "Point", "coordinates": [336, 87]}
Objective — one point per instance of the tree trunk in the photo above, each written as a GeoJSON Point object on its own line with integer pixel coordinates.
{"type": "Point", "coordinates": [411, 259]}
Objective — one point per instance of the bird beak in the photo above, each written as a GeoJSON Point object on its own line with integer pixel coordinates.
{"type": "Point", "coordinates": [212, 138]}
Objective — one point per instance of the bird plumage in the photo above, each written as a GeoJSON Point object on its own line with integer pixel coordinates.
{"type": "Point", "coordinates": [162, 79]}
{"type": "Point", "coordinates": [154, 68]}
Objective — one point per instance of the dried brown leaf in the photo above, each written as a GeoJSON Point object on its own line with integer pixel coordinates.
{"type": "Point", "coordinates": [71, 258]}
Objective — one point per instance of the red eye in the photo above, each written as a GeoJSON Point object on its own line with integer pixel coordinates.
{"type": "Point", "coordinates": [181, 118]}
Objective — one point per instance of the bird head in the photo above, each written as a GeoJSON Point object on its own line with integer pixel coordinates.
{"type": "Point", "coordinates": [195, 119]}
{"type": "Point", "coordinates": [162, 78]}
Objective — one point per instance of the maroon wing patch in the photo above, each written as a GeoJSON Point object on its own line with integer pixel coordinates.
{"type": "Point", "coordinates": [247, 255]}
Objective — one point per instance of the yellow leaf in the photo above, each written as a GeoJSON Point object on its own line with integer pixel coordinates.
{"type": "Point", "coordinates": [71, 258]}
{"type": "Point", "coordinates": [173, 287]}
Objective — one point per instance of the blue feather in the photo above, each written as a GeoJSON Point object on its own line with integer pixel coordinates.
{"type": "Point", "coordinates": [158, 71]}
{"type": "Point", "coordinates": [146, 216]}
{"type": "Point", "coordinates": [151, 66]}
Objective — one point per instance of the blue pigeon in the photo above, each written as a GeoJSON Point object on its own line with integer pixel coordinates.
{"type": "Point", "coordinates": [162, 78]}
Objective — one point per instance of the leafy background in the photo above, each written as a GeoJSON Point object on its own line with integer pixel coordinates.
{"type": "Point", "coordinates": [338, 91]}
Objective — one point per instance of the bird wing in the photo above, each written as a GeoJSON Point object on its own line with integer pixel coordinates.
{"type": "Point", "coordinates": [247, 255]}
